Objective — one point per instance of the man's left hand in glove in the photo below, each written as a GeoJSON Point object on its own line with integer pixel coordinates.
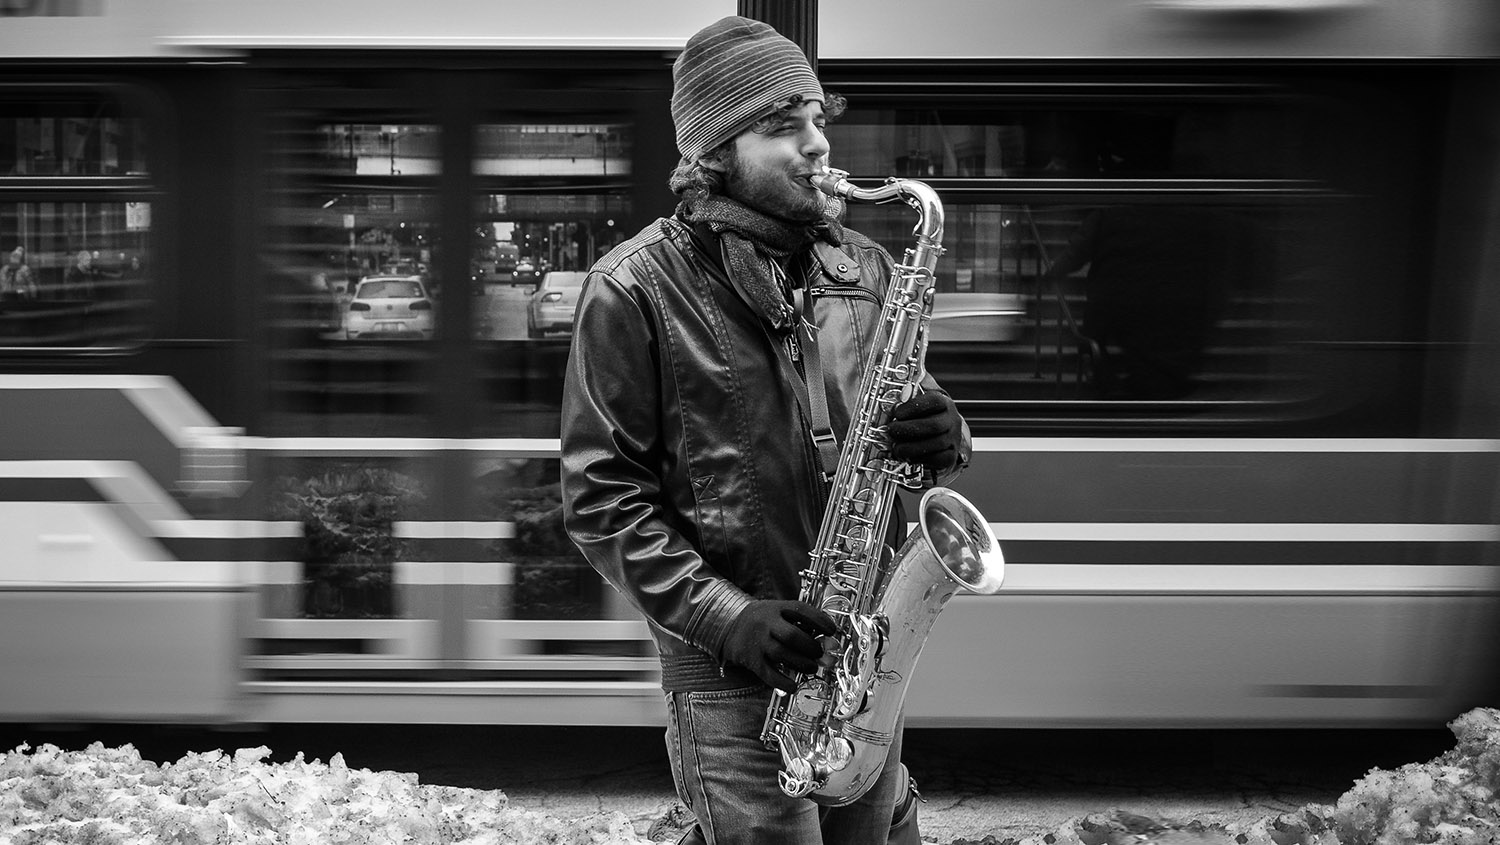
{"type": "Point", "coordinates": [927, 430]}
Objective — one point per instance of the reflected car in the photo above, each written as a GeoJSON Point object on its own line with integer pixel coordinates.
{"type": "Point", "coordinates": [524, 274]}
{"type": "Point", "coordinates": [390, 308]}
{"type": "Point", "coordinates": [552, 303]}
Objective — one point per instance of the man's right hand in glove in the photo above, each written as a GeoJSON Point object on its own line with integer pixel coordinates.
{"type": "Point", "coordinates": [771, 635]}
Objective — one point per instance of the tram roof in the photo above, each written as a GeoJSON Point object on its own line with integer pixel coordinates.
{"type": "Point", "coordinates": [847, 29]}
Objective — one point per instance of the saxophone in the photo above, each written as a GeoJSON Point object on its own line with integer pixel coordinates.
{"type": "Point", "coordinates": [834, 730]}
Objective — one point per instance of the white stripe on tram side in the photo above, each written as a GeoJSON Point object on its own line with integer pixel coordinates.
{"type": "Point", "coordinates": [1269, 445]}
{"type": "Point", "coordinates": [510, 447]}
{"type": "Point", "coordinates": [544, 447]}
{"type": "Point", "coordinates": [1244, 580]}
{"type": "Point", "coordinates": [1249, 532]}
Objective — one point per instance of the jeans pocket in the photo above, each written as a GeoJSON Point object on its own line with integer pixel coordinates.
{"type": "Point", "coordinates": [732, 775]}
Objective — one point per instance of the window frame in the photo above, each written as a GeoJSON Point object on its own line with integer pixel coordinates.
{"type": "Point", "coordinates": [139, 100]}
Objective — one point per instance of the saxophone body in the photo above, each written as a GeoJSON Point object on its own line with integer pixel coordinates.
{"type": "Point", "coordinates": [834, 731]}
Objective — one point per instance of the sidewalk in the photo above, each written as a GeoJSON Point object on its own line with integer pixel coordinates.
{"type": "Point", "coordinates": [974, 783]}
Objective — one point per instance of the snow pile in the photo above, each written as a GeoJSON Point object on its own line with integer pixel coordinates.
{"type": "Point", "coordinates": [1453, 799]}
{"type": "Point", "coordinates": [110, 796]}
{"type": "Point", "coordinates": [105, 796]}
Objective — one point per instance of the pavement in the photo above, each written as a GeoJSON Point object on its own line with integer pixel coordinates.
{"type": "Point", "coordinates": [976, 783]}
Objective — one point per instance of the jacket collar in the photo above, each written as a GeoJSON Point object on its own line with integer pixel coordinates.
{"type": "Point", "coordinates": [706, 241]}
{"type": "Point", "coordinates": [827, 258]}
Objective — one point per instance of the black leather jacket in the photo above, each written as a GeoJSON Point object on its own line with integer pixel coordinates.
{"type": "Point", "coordinates": [689, 479]}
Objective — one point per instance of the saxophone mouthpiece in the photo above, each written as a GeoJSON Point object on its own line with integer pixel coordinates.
{"type": "Point", "coordinates": [833, 182]}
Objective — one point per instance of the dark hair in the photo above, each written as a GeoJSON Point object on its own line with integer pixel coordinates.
{"type": "Point", "coordinates": [692, 180]}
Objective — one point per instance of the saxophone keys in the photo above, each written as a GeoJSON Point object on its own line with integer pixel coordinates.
{"type": "Point", "coordinates": [808, 703]}
{"type": "Point", "coordinates": [838, 754]}
{"type": "Point", "coordinates": [796, 779]}
{"type": "Point", "coordinates": [853, 543]}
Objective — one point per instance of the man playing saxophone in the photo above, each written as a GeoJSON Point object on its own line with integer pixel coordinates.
{"type": "Point", "coordinates": [715, 361]}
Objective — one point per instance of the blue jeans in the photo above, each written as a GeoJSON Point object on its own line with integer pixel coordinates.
{"type": "Point", "coordinates": [727, 777]}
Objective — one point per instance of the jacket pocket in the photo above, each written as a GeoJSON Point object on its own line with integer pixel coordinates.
{"type": "Point", "coordinates": [861, 311]}
{"type": "Point", "coordinates": [714, 543]}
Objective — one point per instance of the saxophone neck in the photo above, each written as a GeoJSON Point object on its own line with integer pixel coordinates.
{"type": "Point", "coordinates": [919, 195]}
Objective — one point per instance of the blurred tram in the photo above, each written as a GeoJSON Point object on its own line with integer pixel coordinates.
{"type": "Point", "coordinates": [1220, 301]}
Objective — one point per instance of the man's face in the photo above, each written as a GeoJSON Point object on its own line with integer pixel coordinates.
{"type": "Point", "coordinates": [769, 168]}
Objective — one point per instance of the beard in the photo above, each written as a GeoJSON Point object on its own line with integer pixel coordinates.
{"type": "Point", "coordinates": [772, 192]}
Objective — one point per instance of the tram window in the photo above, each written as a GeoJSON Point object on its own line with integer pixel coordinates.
{"type": "Point", "coordinates": [1195, 140]}
{"type": "Point", "coordinates": [352, 275]}
{"type": "Point", "coordinates": [523, 312]}
{"type": "Point", "coordinates": [520, 239]}
{"type": "Point", "coordinates": [550, 578]}
{"type": "Point", "coordinates": [560, 201]}
{"type": "Point", "coordinates": [1145, 301]}
{"type": "Point", "coordinates": [351, 546]}
{"type": "Point", "coordinates": [71, 132]}
{"type": "Point", "coordinates": [355, 310]}
{"type": "Point", "coordinates": [339, 216]}
{"type": "Point", "coordinates": [74, 270]}
{"type": "Point", "coordinates": [74, 274]}
{"type": "Point", "coordinates": [393, 148]}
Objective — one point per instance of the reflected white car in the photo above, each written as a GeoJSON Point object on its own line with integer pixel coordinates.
{"type": "Point", "coordinates": [390, 308]}
{"type": "Point", "coordinates": [552, 303]}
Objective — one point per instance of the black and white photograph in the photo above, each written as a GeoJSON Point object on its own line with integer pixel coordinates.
{"type": "Point", "coordinates": [750, 422]}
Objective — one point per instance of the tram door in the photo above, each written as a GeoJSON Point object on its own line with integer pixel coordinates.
{"type": "Point", "coordinates": [425, 236]}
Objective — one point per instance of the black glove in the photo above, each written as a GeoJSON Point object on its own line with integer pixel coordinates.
{"type": "Point", "coordinates": [926, 429]}
{"type": "Point", "coordinates": [769, 635]}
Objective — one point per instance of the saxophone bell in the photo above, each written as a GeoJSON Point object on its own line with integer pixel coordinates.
{"type": "Point", "coordinates": [961, 541]}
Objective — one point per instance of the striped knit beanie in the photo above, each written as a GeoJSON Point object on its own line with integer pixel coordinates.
{"type": "Point", "coordinates": [732, 73]}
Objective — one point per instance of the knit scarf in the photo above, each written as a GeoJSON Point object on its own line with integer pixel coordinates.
{"type": "Point", "coordinates": [755, 245]}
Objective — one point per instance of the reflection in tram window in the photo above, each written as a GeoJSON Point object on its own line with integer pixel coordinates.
{"type": "Point", "coordinates": [336, 368]}
{"type": "Point", "coordinates": [339, 229]}
{"type": "Point", "coordinates": [1252, 138]}
{"type": "Point", "coordinates": [524, 237]}
{"type": "Point", "coordinates": [75, 274]}
{"type": "Point", "coordinates": [350, 546]}
{"type": "Point", "coordinates": [1152, 291]}
{"type": "Point", "coordinates": [71, 132]}
{"type": "Point", "coordinates": [366, 149]}
{"type": "Point", "coordinates": [1159, 283]}
{"type": "Point", "coordinates": [553, 196]}
{"type": "Point", "coordinates": [549, 577]}
{"type": "Point", "coordinates": [73, 270]}
{"type": "Point", "coordinates": [529, 149]}
{"type": "Point", "coordinates": [1155, 301]}
{"type": "Point", "coordinates": [522, 360]}
{"type": "Point", "coordinates": [353, 217]}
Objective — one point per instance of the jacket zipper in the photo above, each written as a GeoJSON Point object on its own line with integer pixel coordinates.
{"type": "Point", "coordinates": [810, 458]}
{"type": "Point", "coordinates": [852, 291]}
{"type": "Point", "coordinates": [793, 345]}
